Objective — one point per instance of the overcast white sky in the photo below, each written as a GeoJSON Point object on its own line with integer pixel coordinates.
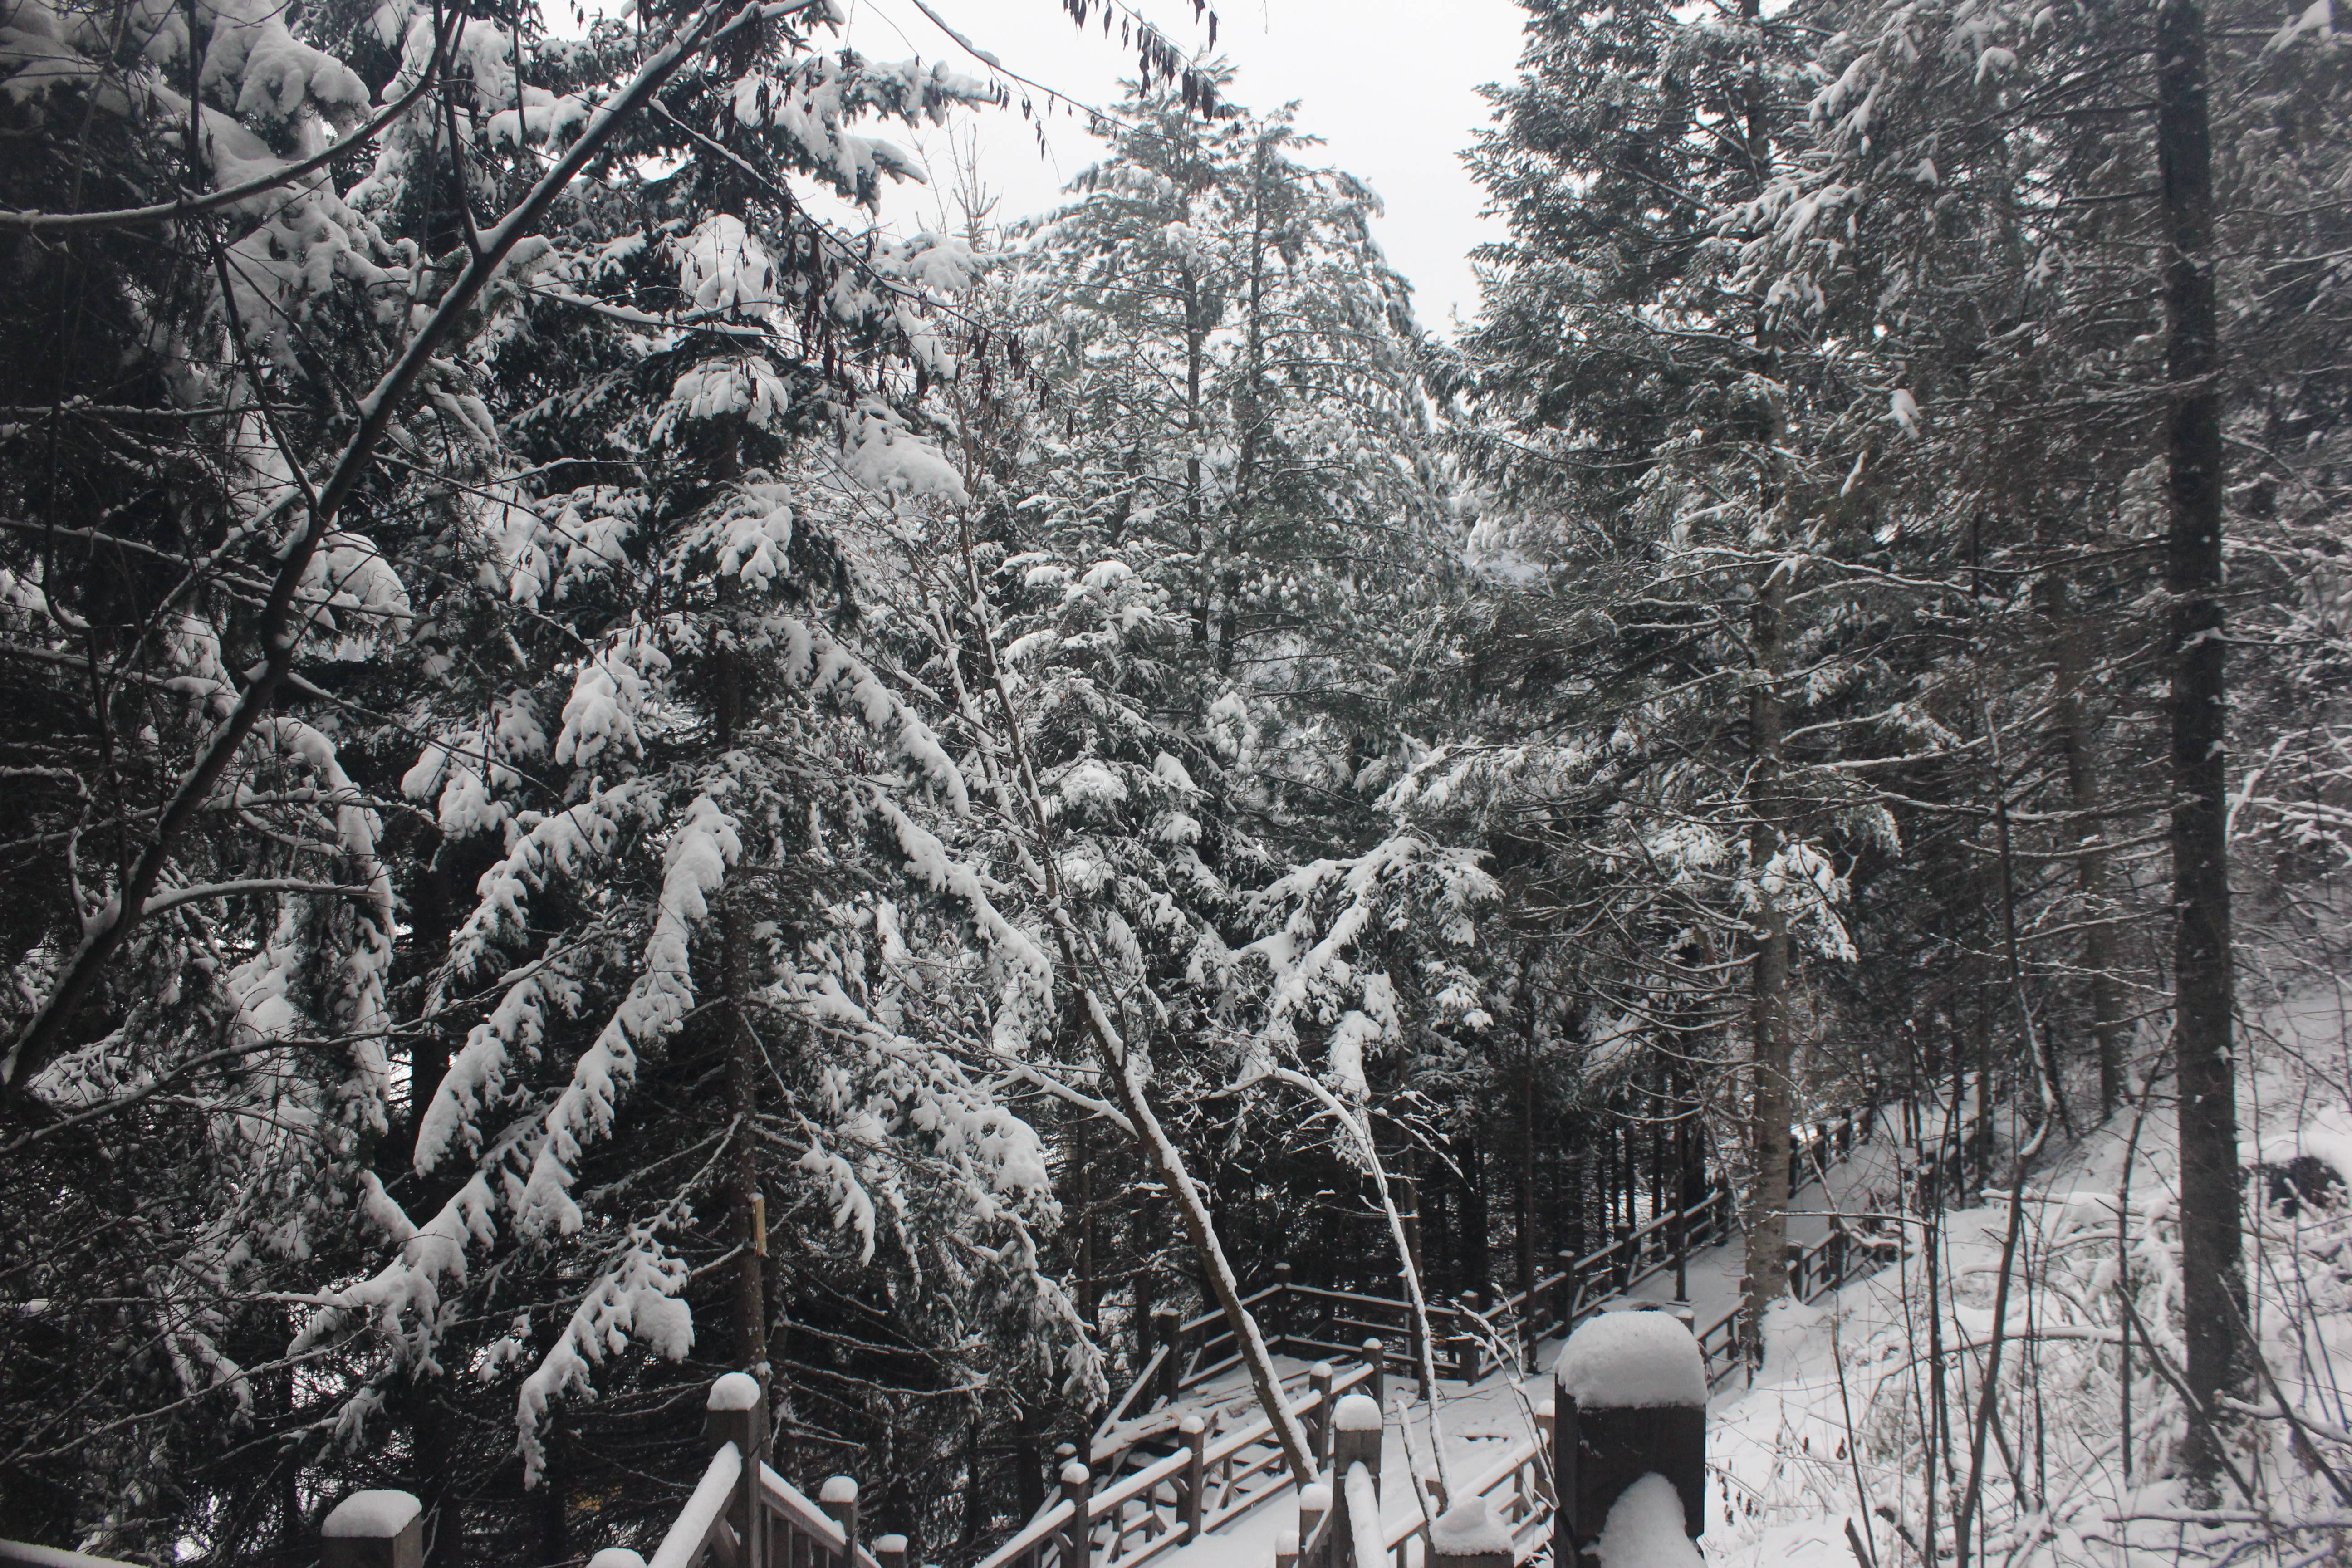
{"type": "Point", "coordinates": [1391, 86]}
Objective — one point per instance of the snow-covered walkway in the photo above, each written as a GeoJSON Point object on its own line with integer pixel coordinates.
{"type": "Point", "coordinates": [1480, 1421]}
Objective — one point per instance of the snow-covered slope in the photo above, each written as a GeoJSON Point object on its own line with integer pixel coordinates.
{"type": "Point", "coordinates": [2077, 1461]}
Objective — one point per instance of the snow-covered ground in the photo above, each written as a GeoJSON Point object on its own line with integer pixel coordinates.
{"type": "Point", "coordinates": [2073, 1470]}
{"type": "Point", "coordinates": [1480, 1421]}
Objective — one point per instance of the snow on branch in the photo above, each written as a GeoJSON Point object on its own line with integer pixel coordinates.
{"type": "Point", "coordinates": [402, 1299]}
{"type": "Point", "coordinates": [636, 1298]}
{"type": "Point", "coordinates": [817, 661]}
{"type": "Point", "coordinates": [702, 845]}
{"type": "Point", "coordinates": [1028, 994]}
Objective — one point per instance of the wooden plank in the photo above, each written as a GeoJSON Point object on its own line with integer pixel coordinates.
{"type": "Point", "coordinates": [54, 1557]}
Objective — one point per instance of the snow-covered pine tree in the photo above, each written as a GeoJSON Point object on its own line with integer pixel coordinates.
{"type": "Point", "coordinates": [1239, 415]}
{"type": "Point", "coordinates": [1652, 444]}
{"type": "Point", "coordinates": [473, 1097]}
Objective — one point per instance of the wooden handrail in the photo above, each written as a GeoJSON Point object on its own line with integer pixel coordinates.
{"type": "Point", "coordinates": [1052, 1521]}
{"type": "Point", "coordinates": [1364, 1516]}
{"type": "Point", "coordinates": [54, 1556]}
{"type": "Point", "coordinates": [779, 1496]}
{"type": "Point", "coordinates": [705, 1513]}
{"type": "Point", "coordinates": [1029, 1537]}
{"type": "Point", "coordinates": [1146, 1378]}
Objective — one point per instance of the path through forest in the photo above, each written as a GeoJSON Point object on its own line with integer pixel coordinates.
{"type": "Point", "coordinates": [1481, 1419]}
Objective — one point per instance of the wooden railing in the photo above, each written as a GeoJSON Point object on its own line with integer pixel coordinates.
{"type": "Point", "coordinates": [1517, 1486]}
{"type": "Point", "coordinates": [1309, 1320]}
{"type": "Point", "coordinates": [1157, 1473]}
{"type": "Point", "coordinates": [1313, 1321]}
{"type": "Point", "coordinates": [742, 1514]}
{"type": "Point", "coordinates": [1205, 1483]}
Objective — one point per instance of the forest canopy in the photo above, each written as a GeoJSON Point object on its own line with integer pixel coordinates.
{"type": "Point", "coordinates": [627, 760]}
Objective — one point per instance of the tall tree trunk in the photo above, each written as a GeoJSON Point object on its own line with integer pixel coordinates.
{"type": "Point", "coordinates": [1195, 335]}
{"type": "Point", "coordinates": [749, 1220]}
{"type": "Point", "coordinates": [1527, 1220]}
{"type": "Point", "coordinates": [2211, 1270]}
{"type": "Point", "coordinates": [1772, 1095]}
{"type": "Point", "coordinates": [1089, 1282]}
{"type": "Point", "coordinates": [1471, 1236]}
{"type": "Point", "coordinates": [1253, 415]}
{"type": "Point", "coordinates": [2068, 647]}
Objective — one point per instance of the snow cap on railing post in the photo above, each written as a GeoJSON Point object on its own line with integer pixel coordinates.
{"type": "Point", "coordinates": [1468, 1536]}
{"type": "Point", "coordinates": [838, 1498]}
{"type": "Point", "coordinates": [890, 1550]}
{"type": "Point", "coordinates": [1286, 1549]}
{"type": "Point", "coordinates": [1376, 1356]}
{"type": "Point", "coordinates": [1314, 1503]}
{"type": "Point", "coordinates": [1628, 1401]}
{"type": "Point", "coordinates": [736, 1411]}
{"type": "Point", "coordinates": [1355, 1442]}
{"type": "Point", "coordinates": [616, 1557]}
{"type": "Point", "coordinates": [1319, 1378]}
{"type": "Point", "coordinates": [375, 1530]}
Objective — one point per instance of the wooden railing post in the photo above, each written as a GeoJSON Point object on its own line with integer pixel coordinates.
{"type": "Point", "coordinates": [1795, 1257]}
{"type": "Point", "coordinates": [1564, 1294]}
{"type": "Point", "coordinates": [1376, 1355]}
{"type": "Point", "coordinates": [1355, 1440]}
{"type": "Point", "coordinates": [616, 1557]}
{"type": "Point", "coordinates": [1314, 1502]}
{"type": "Point", "coordinates": [374, 1530]}
{"type": "Point", "coordinates": [1077, 1535]}
{"type": "Point", "coordinates": [1192, 1495]}
{"type": "Point", "coordinates": [1629, 1402]}
{"type": "Point", "coordinates": [737, 1412]}
{"type": "Point", "coordinates": [838, 1498]}
{"type": "Point", "coordinates": [890, 1550]}
{"type": "Point", "coordinates": [1286, 1549]}
{"type": "Point", "coordinates": [1165, 1335]}
{"type": "Point", "coordinates": [1319, 1378]}
{"type": "Point", "coordinates": [1546, 1439]}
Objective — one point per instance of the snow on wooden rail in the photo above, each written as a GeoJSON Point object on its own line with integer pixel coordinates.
{"type": "Point", "coordinates": [1156, 1474]}
{"type": "Point", "coordinates": [1311, 1320]}
{"type": "Point", "coordinates": [25, 1551]}
{"type": "Point", "coordinates": [1207, 1482]}
{"type": "Point", "coordinates": [742, 1514]}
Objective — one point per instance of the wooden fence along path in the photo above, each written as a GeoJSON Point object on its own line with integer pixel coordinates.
{"type": "Point", "coordinates": [1157, 1474]}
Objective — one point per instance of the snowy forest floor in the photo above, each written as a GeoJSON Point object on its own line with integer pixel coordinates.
{"type": "Point", "coordinates": [1479, 1420]}
{"type": "Point", "coordinates": [1830, 1429]}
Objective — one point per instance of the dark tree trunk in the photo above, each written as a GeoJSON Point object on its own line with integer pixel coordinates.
{"type": "Point", "coordinates": [1090, 1284]}
{"type": "Point", "coordinates": [1772, 1093]}
{"type": "Point", "coordinates": [1470, 1228]}
{"type": "Point", "coordinates": [1529, 1222]}
{"type": "Point", "coordinates": [2211, 1270]}
{"type": "Point", "coordinates": [2069, 639]}
{"type": "Point", "coordinates": [749, 1220]}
